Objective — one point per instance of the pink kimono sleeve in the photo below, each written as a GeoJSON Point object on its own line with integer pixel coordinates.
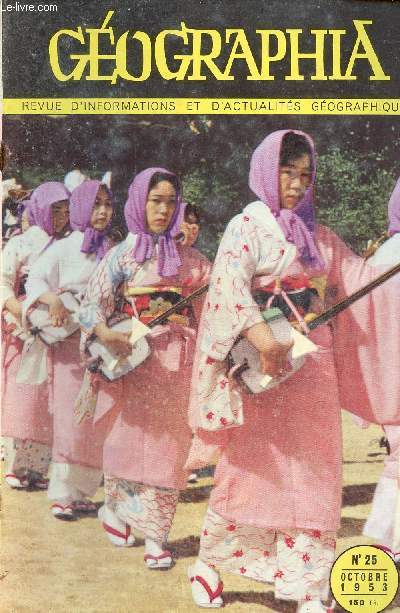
{"type": "Point", "coordinates": [230, 307]}
{"type": "Point", "coordinates": [96, 307]}
{"type": "Point", "coordinates": [228, 310]}
{"type": "Point", "coordinates": [196, 274]}
{"type": "Point", "coordinates": [366, 335]}
{"type": "Point", "coordinates": [99, 299]}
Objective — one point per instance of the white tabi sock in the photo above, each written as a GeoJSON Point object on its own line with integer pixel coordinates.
{"type": "Point", "coordinates": [152, 547]}
{"type": "Point", "coordinates": [209, 574]}
{"type": "Point", "coordinates": [202, 579]}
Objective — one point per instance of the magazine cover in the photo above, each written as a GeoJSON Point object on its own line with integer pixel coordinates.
{"type": "Point", "coordinates": [200, 306]}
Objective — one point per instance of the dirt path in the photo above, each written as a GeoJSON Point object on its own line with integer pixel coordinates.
{"type": "Point", "coordinates": [49, 566]}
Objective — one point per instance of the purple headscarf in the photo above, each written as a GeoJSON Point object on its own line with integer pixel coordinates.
{"type": "Point", "coordinates": [40, 202]}
{"type": "Point", "coordinates": [135, 216]}
{"type": "Point", "coordinates": [298, 224]}
{"type": "Point", "coordinates": [394, 210]}
{"type": "Point", "coordinates": [80, 211]}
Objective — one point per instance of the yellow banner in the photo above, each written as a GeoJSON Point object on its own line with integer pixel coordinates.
{"type": "Point", "coordinates": [201, 106]}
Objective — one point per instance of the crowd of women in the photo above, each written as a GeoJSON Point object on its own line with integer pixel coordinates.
{"type": "Point", "coordinates": [275, 507]}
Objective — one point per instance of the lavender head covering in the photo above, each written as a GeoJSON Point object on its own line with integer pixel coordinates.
{"type": "Point", "coordinates": [394, 210]}
{"type": "Point", "coordinates": [298, 224]}
{"type": "Point", "coordinates": [135, 216]}
{"type": "Point", "coordinates": [80, 211]}
{"type": "Point", "coordinates": [40, 202]}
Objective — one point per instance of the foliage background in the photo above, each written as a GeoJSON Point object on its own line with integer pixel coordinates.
{"type": "Point", "coordinates": [358, 156]}
{"type": "Point", "coordinates": [358, 161]}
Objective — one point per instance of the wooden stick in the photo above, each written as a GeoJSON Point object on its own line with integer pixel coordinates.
{"type": "Point", "coordinates": [346, 302]}
{"type": "Point", "coordinates": [319, 320]}
{"type": "Point", "coordinates": [179, 305]}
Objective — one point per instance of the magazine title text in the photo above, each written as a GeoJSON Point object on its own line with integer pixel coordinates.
{"type": "Point", "coordinates": [197, 64]}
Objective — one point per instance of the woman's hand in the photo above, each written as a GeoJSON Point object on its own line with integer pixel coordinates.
{"type": "Point", "coordinates": [58, 314]}
{"type": "Point", "coordinates": [117, 342]}
{"type": "Point", "coordinates": [274, 361]}
{"type": "Point", "coordinates": [273, 355]}
{"type": "Point", "coordinates": [14, 307]}
{"type": "Point", "coordinates": [190, 232]}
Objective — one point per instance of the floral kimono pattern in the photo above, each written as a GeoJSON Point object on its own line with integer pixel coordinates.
{"type": "Point", "coordinates": [148, 438]}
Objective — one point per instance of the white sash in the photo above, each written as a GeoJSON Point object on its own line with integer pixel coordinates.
{"type": "Point", "coordinates": [33, 366]}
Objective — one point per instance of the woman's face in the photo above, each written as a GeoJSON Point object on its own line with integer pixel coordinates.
{"type": "Point", "coordinates": [294, 179]}
{"type": "Point", "coordinates": [160, 207]}
{"type": "Point", "coordinates": [190, 228]}
{"type": "Point", "coordinates": [102, 210]}
{"type": "Point", "coordinates": [59, 215]}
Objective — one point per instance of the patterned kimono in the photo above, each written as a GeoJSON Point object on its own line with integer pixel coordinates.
{"type": "Point", "coordinates": [148, 437]}
{"type": "Point", "coordinates": [275, 507]}
{"type": "Point", "coordinates": [26, 422]}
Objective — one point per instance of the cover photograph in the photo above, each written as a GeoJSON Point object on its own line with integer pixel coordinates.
{"type": "Point", "coordinates": [200, 297]}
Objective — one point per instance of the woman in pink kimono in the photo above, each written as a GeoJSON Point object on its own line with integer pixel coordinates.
{"type": "Point", "coordinates": [26, 423]}
{"type": "Point", "coordinates": [67, 266]}
{"type": "Point", "coordinates": [275, 508]}
{"type": "Point", "coordinates": [380, 524]}
{"type": "Point", "coordinates": [148, 440]}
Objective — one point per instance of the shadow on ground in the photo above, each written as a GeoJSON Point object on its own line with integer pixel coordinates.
{"type": "Point", "coordinates": [266, 600]}
{"type": "Point", "coordinates": [350, 526]}
{"type": "Point", "coordinates": [354, 495]}
{"type": "Point", "coordinates": [187, 547]}
{"type": "Point", "coordinates": [195, 494]}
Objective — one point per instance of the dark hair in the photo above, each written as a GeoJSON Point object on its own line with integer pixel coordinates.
{"type": "Point", "coordinates": [21, 208]}
{"type": "Point", "coordinates": [106, 187]}
{"type": "Point", "coordinates": [165, 176]}
{"type": "Point", "coordinates": [192, 209]}
{"type": "Point", "coordinates": [116, 234]}
{"type": "Point", "coordinates": [294, 146]}
{"type": "Point", "coordinates": [11, 205]}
